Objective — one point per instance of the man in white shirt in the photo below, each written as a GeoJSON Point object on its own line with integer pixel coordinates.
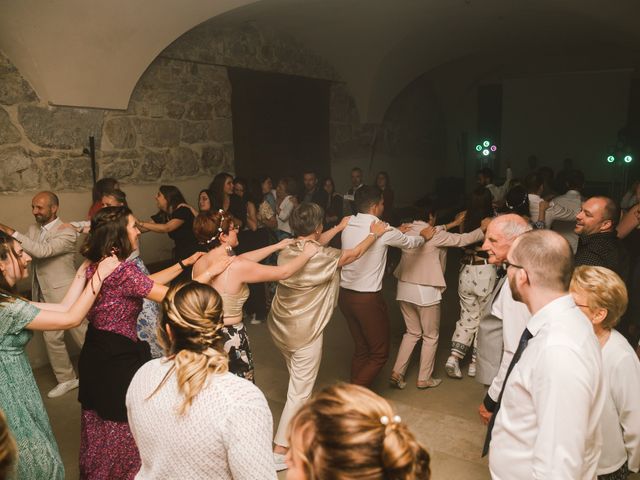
{"type": "Point", "coordinates": [548, 413]}
{"type": "Point", "coordinates": [485, 178]}
{"type": "Point", "coordinates": [361, 301]}
{"type": "Point", "coordinates": [560, 214]}
{"type": "Point", "coordinates": [52, 246]}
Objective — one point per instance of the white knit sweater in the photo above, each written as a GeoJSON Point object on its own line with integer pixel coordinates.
{"type": "Point", "coordinates": [225, 434]}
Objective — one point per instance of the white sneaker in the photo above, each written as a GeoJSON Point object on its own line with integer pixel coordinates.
{"type": "Point", "coordinates": [472, 369]}
{"type": "Point", "coordinates": [63, 388]}
{"type": "Point", "coordinates": [452, 367]}
{"type": "Point", "coordinates": [281, 461]}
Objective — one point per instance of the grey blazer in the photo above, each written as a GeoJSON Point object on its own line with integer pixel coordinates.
{"type": "Point", "coordinates": [53, 265]}
{"type": "Point", "coordinates": [490, 343]}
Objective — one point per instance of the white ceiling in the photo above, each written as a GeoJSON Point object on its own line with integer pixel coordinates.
{"type": "Point", "coordinates": [90, 53]}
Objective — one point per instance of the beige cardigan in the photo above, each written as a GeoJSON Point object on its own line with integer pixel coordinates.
{"type": "Point", "coordinates": [425, 265]}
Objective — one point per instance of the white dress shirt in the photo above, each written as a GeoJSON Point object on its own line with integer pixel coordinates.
{"type": "Point", "coordinates": [515, 316]}
{"type": "Point", "coordinates": [548, 425]}
{"type": "Point", "coordinates": [366, 273]}
{"type": "Point", "coordinates": [561, 216]}
{"type": "Point", "coordinates": [534, 206]}
{"type": "Point", "coordinates": [621, 416]}
{"type": "Point", "coordinates": [286, 207]}
{"type": "Point", "coordinates": [498, 193]}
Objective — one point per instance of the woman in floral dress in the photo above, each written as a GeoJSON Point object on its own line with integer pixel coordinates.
{"type": "Point", "coordinates": [112, 352]}
{"type": "Point", "coordinates": [20, 399]}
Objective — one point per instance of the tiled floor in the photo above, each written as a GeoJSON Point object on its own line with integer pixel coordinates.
{"type": "Point", "coordinates": [444, 418]}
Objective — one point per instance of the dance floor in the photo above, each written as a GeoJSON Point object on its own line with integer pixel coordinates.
{"type": "Point", "coordinates": [445, 419]}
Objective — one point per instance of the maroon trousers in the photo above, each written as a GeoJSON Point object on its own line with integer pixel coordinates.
{"type": "Point", "coordinates": [368, 321]}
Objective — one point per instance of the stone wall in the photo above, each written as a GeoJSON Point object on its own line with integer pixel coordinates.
{"type": "Point", "coordinates": [177, 125]}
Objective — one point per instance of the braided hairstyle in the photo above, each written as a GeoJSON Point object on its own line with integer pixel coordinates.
{"type": "Point", "coordinates": [193, 316]}
{"type": "Point", "coordinates": [108, 234]}
{"type": "Point", "coordinates": [347, 432]}
{"type": "Point", "coordinates": [208, 226]}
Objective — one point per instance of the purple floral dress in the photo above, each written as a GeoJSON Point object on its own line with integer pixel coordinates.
{"type": "Point", "coordinates": [110, 357]}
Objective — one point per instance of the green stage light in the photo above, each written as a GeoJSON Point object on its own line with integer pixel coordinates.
{"type": "Point", "coordinates": [486, 143]}
{"type": "Point", "coordinates": [611, 159]}
{"type": "Point", "coordinates": [478, 148]}
{"type": "Point", "coordinates": [628, 159]}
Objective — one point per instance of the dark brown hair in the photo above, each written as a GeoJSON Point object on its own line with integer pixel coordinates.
{"type": "Point", "coordinates": [108, 234]}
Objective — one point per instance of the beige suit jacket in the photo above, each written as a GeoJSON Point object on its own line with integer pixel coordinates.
{"type": "Point", "coordinates": [425, 265]}
{"type": "Point", "coordinates": [52, 267]}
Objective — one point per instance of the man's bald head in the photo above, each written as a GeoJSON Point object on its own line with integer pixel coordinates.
{"type": "Point", "coordinates": [49, 197]}
{"type": "Point", "coordinates": [44, 207]}
{"type": "Point", "coordinates": [501, 233]}
{"type": "Point", "coordinates": [597, 215]}
{"type": "Point", "coordinates": [546, 257]}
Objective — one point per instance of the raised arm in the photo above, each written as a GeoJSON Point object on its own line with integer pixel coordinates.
{"type": "Point", "coordinates": [629, 221]}
{"type": "Point", "coordinates": [262, 253]}
{"type": "Point", "coordinates": [258, 273]}
{"type": "Point", "coordinates": [72, 295]}
{"type": "Point", "coordinates": [63, 242]}
{"type": "Point", "coordinates": [168, 227]}
{"type": "Point", "coordinates": [165, 276]}
{"type": "Point", "coordinates": [61, 320]}
{"type": "Point", "coordinates": [328, 235]}
{"type": "Point", "coordinates": [348, 256]}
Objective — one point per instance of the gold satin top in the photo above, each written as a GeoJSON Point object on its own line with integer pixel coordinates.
{"type": "Point", "coordinates": [232, 303]}
{"type": "Point", "coordinates": [304, 302]}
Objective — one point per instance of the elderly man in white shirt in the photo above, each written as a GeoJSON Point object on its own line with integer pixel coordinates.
{"type": "Point", "coordinates": [497, 342]}
{"type": "Point", "coordinates": [360, 300]}
{"type": "Point", "coordinates": [547, 421]}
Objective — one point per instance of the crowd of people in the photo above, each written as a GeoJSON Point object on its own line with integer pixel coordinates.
{"type": "Point", "coordinates": [166, 358]}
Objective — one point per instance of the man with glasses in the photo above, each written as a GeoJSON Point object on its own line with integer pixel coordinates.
{"type": "Point", "coordinates": [546, 421]}
{"type": "Point", "coordinates": [498, 340]}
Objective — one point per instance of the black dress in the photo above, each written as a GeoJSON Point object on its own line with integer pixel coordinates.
{"type": "Point", "coordinates": [184, 240]}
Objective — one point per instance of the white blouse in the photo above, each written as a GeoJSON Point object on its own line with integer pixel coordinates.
{"type": "Point", "coordinates": [225, 434]}
{"type": "Point", "coordinates": [621, 415]}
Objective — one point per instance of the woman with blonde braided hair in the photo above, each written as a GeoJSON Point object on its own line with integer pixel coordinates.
{"type": "Point", "coordinates": [347, 432]}
{"type": "Point", "coordinates": [175, 402]}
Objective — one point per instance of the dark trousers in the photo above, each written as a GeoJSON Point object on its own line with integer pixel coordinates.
{"type": "Point", "coordinates": [368, 321]}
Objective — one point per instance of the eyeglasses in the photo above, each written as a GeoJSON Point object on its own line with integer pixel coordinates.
{"type": "Point", "coordinates": [508, 264]}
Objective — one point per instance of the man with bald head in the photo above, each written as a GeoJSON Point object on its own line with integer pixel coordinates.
{"type": "Point", "coordinates": [52, 246]}
{"type": "Point", "coordinates": [546, 422]}
{"type": "Point", "coordinates": [598, 242]}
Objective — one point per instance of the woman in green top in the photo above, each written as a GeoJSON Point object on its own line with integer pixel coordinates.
{"type": "Point", "coordinates": [20, 399]}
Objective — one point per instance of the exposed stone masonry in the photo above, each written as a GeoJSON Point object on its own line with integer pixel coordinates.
{"type": "Point", "coordinates": [178, 123]}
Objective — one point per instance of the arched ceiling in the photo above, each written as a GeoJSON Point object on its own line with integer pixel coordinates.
{"type": "Point", "coordinates": [90, 53]}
